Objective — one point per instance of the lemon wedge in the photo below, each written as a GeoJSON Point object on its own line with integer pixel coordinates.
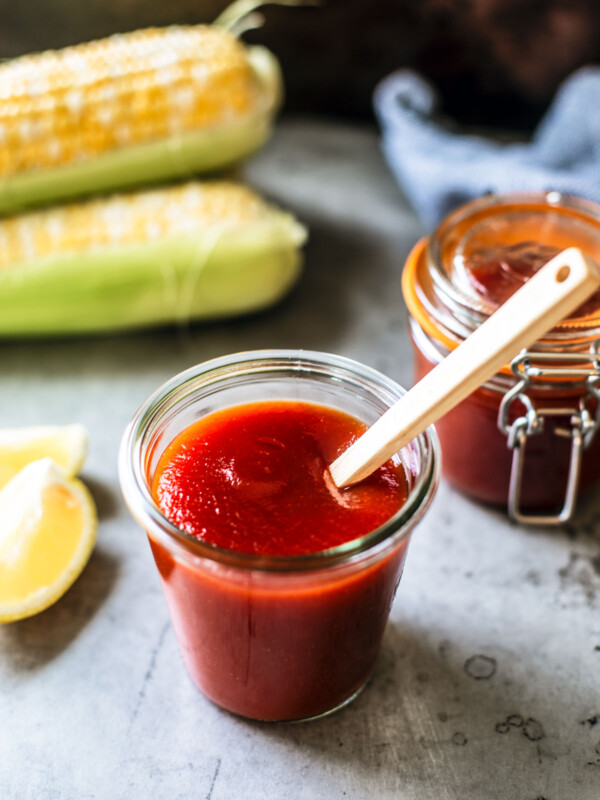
{"type": "Point", "coordinates": [65, 444]}
{"type": "Point", "coordinates": [47, 531]}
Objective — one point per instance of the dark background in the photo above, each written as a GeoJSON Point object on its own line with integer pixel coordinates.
{"type": "Point", "coordinates": [495, 61]}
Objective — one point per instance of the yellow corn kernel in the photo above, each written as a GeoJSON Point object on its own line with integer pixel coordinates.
{"type": "Point", "coordinates": [66, 107]}
{"type": "Point", "coordinates": [127, 219]}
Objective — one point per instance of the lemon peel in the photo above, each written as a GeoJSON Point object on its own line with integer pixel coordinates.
{"type": "Point", "coordinates": [48, 527]}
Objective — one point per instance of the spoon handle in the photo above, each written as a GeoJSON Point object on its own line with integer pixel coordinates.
{"type": "Point", "coordinates": [556, 290]}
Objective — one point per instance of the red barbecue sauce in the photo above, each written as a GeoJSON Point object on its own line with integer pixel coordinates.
{"type": "Point", "coordinates": [496, 273]}
{"type": "Point", "coordinates": [253, 479]}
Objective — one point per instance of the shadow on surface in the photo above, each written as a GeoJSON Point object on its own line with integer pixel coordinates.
{"type": "Point", "coordinates": [587, 518]}
{"type": "Point", "coordinates": [431, 715]}
{"type": "Point", "coordinates": [105, 498]}
{"type": "Point", "coordinates": [30, 644]}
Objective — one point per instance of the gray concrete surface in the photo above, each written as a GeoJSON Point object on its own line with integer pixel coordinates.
{"type": "Point", "coordinates": [488, 684]}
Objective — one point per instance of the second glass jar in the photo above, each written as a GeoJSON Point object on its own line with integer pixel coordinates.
{"type": "Point", "coordinates": [526, 439]}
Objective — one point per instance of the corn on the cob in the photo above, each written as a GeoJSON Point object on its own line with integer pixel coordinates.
{"type": "Point", "coordinates": [193, 251]}
{"type": "Point", "coordinates": [133, 108]}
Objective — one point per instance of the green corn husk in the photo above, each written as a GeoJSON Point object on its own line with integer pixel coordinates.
{"type": "Point", "coordinates": [239, 257]}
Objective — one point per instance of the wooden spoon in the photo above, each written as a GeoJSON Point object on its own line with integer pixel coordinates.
{"type": "Point", "coordinates": [556, 290]}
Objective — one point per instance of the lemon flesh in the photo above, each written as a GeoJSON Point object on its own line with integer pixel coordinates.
{"type": "Point", "coordinates": [65, 444]}
{"type": "Point", "coordinates": [47, 531]}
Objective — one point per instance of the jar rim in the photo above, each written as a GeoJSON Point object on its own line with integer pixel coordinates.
{"type": "Point", "coordinates": [137, 494]}
{"type": "Point", "coordinates": [470, 311]}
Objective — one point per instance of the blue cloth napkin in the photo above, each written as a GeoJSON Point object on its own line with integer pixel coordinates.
{"type": "Point", "coordinates": [439, 168]}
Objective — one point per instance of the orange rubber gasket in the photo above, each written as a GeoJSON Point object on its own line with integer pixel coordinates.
{"type": "Point", "coordinates": [411, 297]}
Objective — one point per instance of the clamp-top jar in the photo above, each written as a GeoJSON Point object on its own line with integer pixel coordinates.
{"type": "Point", "coordinates": [526, 439]}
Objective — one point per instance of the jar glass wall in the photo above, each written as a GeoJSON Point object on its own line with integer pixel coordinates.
{"type": "Point", "coordinates": [275, 637]}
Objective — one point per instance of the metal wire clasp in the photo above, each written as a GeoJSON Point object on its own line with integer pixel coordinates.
{"type": "Point", "coordinates": [584, 421]}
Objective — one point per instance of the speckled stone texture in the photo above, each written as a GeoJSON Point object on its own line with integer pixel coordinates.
{"type": "Point", "coordinates": [488, 682]}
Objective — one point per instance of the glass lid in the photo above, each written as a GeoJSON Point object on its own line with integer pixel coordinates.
{"type": "Point", "coordinates": [485, 251]}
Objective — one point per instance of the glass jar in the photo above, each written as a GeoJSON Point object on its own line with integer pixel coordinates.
{"type": "Point", "coordinates": [526, 439]}
{"type": "Point", "coordinates": [270, 637]}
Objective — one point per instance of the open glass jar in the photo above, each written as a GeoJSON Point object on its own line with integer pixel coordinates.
{"type": "Point", "coordinates": [275, 637]}
{"type": "Point", "coordinates": [526, 439]}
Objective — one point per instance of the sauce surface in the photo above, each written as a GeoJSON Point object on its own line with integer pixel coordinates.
{"type": "Point", "coordinates": [254, 479]}
{"type": "Point", "coordinates": [496, 273]}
